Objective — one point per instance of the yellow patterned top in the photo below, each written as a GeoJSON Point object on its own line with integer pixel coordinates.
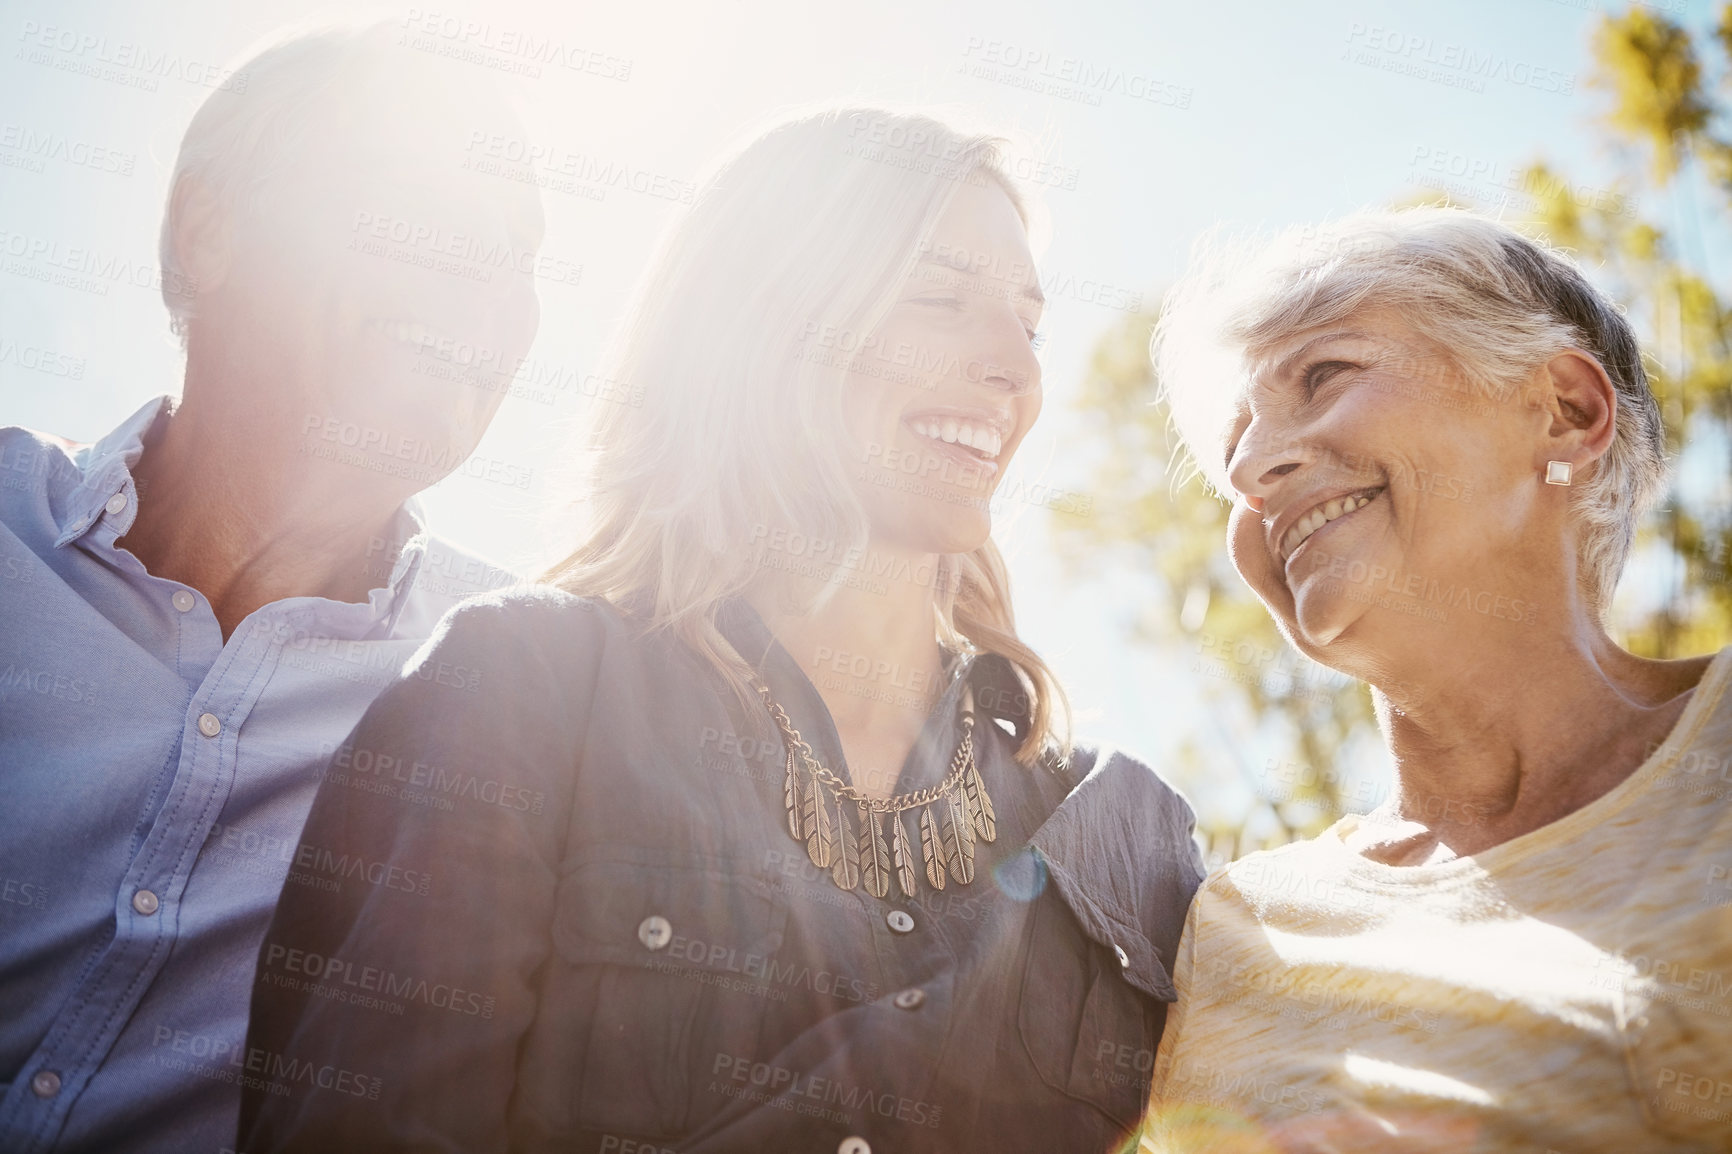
{"type": "Point", "coordinates": [1570, 990]}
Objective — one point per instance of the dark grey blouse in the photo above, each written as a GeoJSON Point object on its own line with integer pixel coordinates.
{"type": "Point", "coordinates": [547, 901]}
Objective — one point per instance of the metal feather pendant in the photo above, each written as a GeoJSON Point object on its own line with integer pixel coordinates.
{"type": "Point", "coordinates": [952, 815]}
{"type": "Point", "coordinates": [902, 854]}
{"type": "Point", "coordinates": [815, 826]}
{"type": "Point", "coordinates": [793, 796]}
{"type": "Point", "coordinates": [958, 834]}
{"type": "Point", "coordinates": [980, 812]}
{"type": "Point", "coordinates": [932, 849]}
{"type": "Point", "coordinates": [846, 870]}
{"type": "Point", "coordinates": [874, 853]}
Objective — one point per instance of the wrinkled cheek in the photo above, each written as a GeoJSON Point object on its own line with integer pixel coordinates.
{"type": "Point", "coordinates": [1317, 616]}
{"type": "Point", "coordinates": [1245, 547]}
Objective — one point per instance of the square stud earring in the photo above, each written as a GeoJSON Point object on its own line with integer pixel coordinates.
{"type": "Point", "coordinates": [1557, 472]}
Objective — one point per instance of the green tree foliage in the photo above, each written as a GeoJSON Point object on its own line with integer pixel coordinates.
{"type": "Point", "coordinates": [1649, 64]}
{"type": "Point", "coordinates": [1656, 263]}
{"type": "Point", "coordinates": [1643, 244]}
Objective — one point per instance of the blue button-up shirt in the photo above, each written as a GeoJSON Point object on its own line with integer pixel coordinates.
{"type": "Point", "coordinates": [153, 785]}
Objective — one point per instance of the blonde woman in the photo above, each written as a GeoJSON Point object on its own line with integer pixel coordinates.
{"type": "Point", "coordinates": [756, 831]}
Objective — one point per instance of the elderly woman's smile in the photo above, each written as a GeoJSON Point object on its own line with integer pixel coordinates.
{"type": "Point", "coordinates": [1290, 531]}
{"type": "Point", "coordinates": [1356, 461]}
{"type": "Point", "coordinates": [1441, 438]}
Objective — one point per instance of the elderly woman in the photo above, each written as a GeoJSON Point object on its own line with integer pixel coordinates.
{"type": "Point", "coordinates": [1441, 438]}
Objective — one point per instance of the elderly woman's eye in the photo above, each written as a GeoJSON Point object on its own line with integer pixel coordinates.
{"type": "Point", "coordinates": [1320, 373]}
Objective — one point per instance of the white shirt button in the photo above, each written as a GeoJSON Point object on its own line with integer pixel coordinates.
{"type": "Point", "coordinates": [900, 920]}
{"type": "Point", "coordinates": [910, 999]}
{"type": "Point", "coordinates": [854, 1145]}
{"type": "Point", "coordinates": [116, 505]}
{"type": "Point", "coordinates": [45, 1083]}
{"type": "Point", "coordinates": [654, 932]}
{"type": "Point", "coordinates": [209, 725]}
{"type": "Point", "coordinates": [183, 600]}
{"type": "Point", "coordinates": [1124, 958]}
{"type": "Point", "coordinates": [145, 902]}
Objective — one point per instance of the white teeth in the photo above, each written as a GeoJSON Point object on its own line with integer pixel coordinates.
{"type": "Point", "coordinates": [981, 438]}
{"type": "Point", "coordinates": [1320, 517]}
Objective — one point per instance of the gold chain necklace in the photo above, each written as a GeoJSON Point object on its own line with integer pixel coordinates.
{"type": "Point", "coordinates": [963, 811]}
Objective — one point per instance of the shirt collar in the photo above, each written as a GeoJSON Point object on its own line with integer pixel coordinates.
{"type": "Point", "coordinates": [107, 469]}
{"type": "Point", "coordinates": [385, 604]}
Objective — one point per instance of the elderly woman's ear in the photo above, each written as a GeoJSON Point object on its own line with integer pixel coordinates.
{"type": "Point", "coordinates": [1578, 404]}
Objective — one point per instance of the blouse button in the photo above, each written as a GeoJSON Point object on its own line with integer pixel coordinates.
{"type": "Point", "coordinates": [209, 724]}
{"type": "Point", "coordinates": [654, 932]}
{"type": "Point", "coordinates": [1124, 958]}
{"type": "Point", "coordinates": [116, 505]}
{"type": "Point", "coordinates": [900, 921]}
{"type": "Point", "coordinates": [145, 902]}
{"type": "Point", "coordinates": [45, 1083]}
{"type": "Point", "coordinates": [183, 600]}
{"type": "Point", "coordinates": [854, 1145]}
{"type": "Point", "coordinates": [910, 999]}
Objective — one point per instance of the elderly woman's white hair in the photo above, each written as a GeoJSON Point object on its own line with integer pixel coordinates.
{"type": "Point", "coordinates": [1495, 304]}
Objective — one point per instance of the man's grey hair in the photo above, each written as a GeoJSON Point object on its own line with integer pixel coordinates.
{"type": "Point", "coordinates": [1495, 304]}
{"type": "Point", "coordinates": [246, 133]}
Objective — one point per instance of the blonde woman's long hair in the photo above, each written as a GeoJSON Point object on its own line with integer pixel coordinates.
{"type": "Point", "coordinates": [816, 222]}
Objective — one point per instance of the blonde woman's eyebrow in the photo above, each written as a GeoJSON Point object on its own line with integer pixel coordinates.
{"type": "Point", "coordinates": [969, 278]}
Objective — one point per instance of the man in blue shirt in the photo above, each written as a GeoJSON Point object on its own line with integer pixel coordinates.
{"type": "Point", "coordinates": [196, 610]}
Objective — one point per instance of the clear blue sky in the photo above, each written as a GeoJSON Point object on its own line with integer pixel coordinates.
{"type": "Point", "coordinates": [1267, 113]}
